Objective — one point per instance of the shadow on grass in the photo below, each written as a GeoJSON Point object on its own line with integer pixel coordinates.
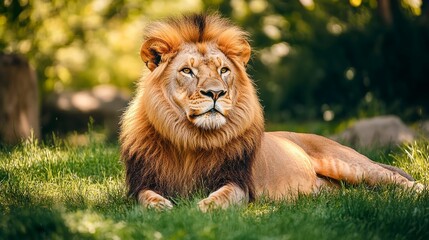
{"type": "Point", "coordinates": [25, 214]}
{"type": "Point", "coordinates": [35, 223]}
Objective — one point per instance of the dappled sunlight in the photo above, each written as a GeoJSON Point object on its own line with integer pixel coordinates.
{"type": "Point", "coordinates": [162, 8]}
{"type": "Point", "coordinates": [30, 155]}
{"type": "Point", "coordinates": [414, 5]}
{"type": "Point", "coordinates": [256, 210]}
{"type": "Point", "coordinates": [104, 92]}
{"type": "Point", "coordinates": [56, 30]}
{"type": "Point", "coordinates": [64, 174]}
{"type": "Point", "coordinates": [355, 3]}
{"type": "Point", "coordinates": [272, 32]}
{"type": "Point", "coordinates": [81, 140]}
{"type": "Point", "coordinates": [350, 73]}
{"type": "Point", "coordinates": [273, 54]}
{"type": "Point", "coordinates": [239, 8]}
{"type": "Point", "coordinates": [308, 4]}
{"type": "Point", "coordinates": [334, 26]}
{"type": "Point", "coordinates": [414, 159]}
{"type": "Point", "coordinates": [89, 222]}
{"type": "Point", "coordinates": [328, 115]}
{"type": "Point", "coordinates": [272, 25]}
{"type": "Point", "coordinates": [258, 6]}
{"type": "Point", "coordinates": [84, 101]}
{"type": "Point", "coordinates": [74, 57]}
{"type": "Point", "coordinates": [328, 112]}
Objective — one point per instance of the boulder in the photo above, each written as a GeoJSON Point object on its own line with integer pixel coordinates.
{"type": "Point", "coordinates": [424, 127]}
{"type": "Point", "coordinates": [72, 110]}
{"type": "Point", "coordinates": [379, 131]}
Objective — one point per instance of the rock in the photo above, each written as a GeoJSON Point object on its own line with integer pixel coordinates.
{"type": "Point", "coordinates": [424, 127]}
{"type": "Point", "coordinates": [71, 110]}
{"type": "Point", "coordinates": [379, 131]}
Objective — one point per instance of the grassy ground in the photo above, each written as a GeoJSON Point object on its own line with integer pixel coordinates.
{"type": "Point", "coordinates": [63, 191]}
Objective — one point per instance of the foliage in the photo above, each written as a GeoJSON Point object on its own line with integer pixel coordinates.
{"type": "Point", "coordinates": [79, 44]}
{"type": "Point", "coordinates": [65, 191]}
{"type": "Point", "coordinates": [324, 59]}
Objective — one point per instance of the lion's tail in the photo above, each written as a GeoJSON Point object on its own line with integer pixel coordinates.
{"type": "Point", "coordinates": [397, 170]}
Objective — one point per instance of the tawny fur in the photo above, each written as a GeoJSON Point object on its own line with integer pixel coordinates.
{"type": "Point", "coordinates": [172, 147]}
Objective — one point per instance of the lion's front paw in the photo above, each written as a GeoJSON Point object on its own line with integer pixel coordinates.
{"type": "Point", "coordinates": [152, 200]}
{"type": "Point", "coordinates": [207, 204]}
{"type": "Point", "coordinates": [159, 204]}
{"type": "Point", "coordinates": [225, 196]}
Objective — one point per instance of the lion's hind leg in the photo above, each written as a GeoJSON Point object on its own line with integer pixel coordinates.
{"type": "Point", "coordinates": [355, 168]}
{"type": "Point", "coordinates": [335, 161]}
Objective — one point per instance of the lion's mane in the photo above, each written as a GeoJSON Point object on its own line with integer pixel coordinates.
{"type": "Point", "coordinates": [161, 149]}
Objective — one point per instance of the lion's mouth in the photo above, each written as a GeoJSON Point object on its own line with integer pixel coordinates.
{"type": "Point", "coordinates": [209, 120]}
{"type": "Point", "coordinates": [212, 111]}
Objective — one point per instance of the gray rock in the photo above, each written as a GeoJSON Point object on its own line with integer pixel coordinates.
{"type": "Point", "coordinates": [377, 132]}
{"type": "Point", "coordinates": [424, 127]}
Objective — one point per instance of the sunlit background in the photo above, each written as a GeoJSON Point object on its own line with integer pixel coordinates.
{"type": "Point", "coordinates": [326, 60]}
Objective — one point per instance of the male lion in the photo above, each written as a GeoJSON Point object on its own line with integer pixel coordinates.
{"type": "Point", "coordinates": [196, 125]}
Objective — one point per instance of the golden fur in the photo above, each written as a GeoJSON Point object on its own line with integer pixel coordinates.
{"type": "Point", "coordinates": [196, 125]}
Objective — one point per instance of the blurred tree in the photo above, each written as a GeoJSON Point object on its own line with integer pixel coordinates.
{"type": "Point", "coordinates": [78, 44]}
{"type": "Point", "coordinates": [19, 109]}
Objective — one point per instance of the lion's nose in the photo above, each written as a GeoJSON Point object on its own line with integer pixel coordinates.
{"type": "Point", "coordinates": [215, 95]}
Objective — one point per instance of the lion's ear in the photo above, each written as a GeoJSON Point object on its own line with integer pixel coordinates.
{"type": "Point", "coordinates": [234, 45]}
{"type": "Point", "coordinates": [153, 52]}
{"type": "Point", "coordinates": [239, 50]}
{"type": "Point", "coordinates": [245, 52]}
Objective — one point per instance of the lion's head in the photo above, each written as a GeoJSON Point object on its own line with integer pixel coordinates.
{"type": "Point", "coordinates": [197, 94]}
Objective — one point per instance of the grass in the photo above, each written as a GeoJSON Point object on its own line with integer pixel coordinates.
{"type": "Point", "coordinates": [65, 191]}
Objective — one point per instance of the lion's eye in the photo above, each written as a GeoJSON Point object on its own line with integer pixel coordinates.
{"type": "Point", "coordinates": [187, 71]}
{"type": "Point", "coordinates": [224, 70]}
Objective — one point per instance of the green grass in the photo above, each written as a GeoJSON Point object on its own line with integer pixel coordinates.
{"type": "Point", "coordinates": [64, 191]}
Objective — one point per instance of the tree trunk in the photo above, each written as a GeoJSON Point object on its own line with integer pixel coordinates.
{"type": "Point", "coordinates": [385, 12]}
{"type": "Point", "coordinates": [19, 107]}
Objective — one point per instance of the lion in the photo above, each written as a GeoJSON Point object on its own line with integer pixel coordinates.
{"type": "Point", "coordinates": [196, 125]}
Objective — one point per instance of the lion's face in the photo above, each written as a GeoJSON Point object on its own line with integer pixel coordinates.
{"type": "Point", "coordinates": [198, 94]}
{"type": "Point", "coordinates": [201, 86]}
